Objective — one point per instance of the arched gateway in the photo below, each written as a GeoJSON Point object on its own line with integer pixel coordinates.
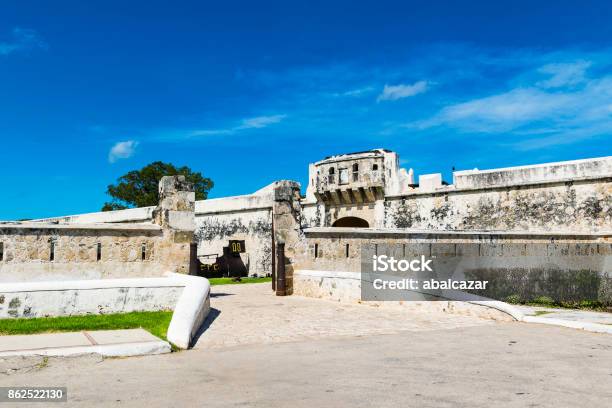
{"type": "Point", "coordinates": [353, 222]}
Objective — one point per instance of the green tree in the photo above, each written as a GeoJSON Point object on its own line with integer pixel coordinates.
{"type": "Point", "coordinates": [139, 188]}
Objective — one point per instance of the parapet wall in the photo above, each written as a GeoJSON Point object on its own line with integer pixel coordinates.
{"type": "Point", "coordinates": [331, 257]}
{"type": "Point", "coordinates": [130, 215]}
{"type": "Point", "coordinates": [572, 206]}
{"type": "Point", "coordinates": [540, 173]}
{"type": "Point", "coordinates": [36, 251]}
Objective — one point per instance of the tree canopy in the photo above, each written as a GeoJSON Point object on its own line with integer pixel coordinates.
{"type": "Point", "coordinates": [139, 188]}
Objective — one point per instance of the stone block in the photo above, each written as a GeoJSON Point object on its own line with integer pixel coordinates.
{"type": "Point", "coordinates": [430, 182]}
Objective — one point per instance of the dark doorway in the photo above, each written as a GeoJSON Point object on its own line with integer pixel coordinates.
{"type": "Point", "coordinates": [229, 264]}
{"type": "Point", "coordinates": [352, 222]}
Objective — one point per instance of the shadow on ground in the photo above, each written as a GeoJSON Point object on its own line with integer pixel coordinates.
{"type": "Point", "coordinates": [214, 295]}
{"type": "Point", "coordinates": [212, 316]}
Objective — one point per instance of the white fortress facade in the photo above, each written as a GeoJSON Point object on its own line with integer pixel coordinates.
{"type": "Point", "coordinates": [370, 190]}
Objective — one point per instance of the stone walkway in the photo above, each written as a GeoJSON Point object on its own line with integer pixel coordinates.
{"type": "Point", "coordinates": [250, 314]}
{"type": "Point", "coordinates": [509, 365]}
{"type": "Point", "coordinates": [130, 342]}
{"type": "Point", "coordinates": [260, 350]}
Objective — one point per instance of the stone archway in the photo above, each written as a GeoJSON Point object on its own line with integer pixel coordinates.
{"type": "Point", "coordinates": [351, 222]}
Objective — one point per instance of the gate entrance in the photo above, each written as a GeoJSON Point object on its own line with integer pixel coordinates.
{"type": "Point", "coordinates": [351, 222]}
{"type": "Point", "coordinates": [228, 265]}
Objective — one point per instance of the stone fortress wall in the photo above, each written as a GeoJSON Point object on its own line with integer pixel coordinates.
{"type": "Point", "coordinates": [568, 196]}
{"type": "Point", "coordinates": [558, 214]}
{"type": "Point", "coordinates": [64, 250]}
{"type": "Point", "coordinates": [33, 251]}
{"type": "Point", "coordinates": [330, 259]}
{"type": "Point", "coordinates": [246, 217]}
{"type": "Point", "coordinates": [370, 187]}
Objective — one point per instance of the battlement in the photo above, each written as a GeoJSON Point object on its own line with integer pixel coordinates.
{"type": "Point", "coordinates": [538, 173]}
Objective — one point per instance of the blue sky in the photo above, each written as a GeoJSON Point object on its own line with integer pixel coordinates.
{"type": "Point", "coordinates": [251, 92]}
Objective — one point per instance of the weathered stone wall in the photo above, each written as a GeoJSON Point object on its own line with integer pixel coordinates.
{"type": "Point", "coordinates": [378, 167]}
{"type": "Point", "coordinates": [287, 214]}
{"type": "Point", "coordinates": [572, 196]}
{"type": "Point", "coordinates": [214, 231]}
{"type": "Point", "coordinates": [313, 214]}
{"type": "Point", "coordinates": [572, 170]}
{"type": "Point", "coordinates": [568, 197]}
{"type": "Point", "coordinates": [248, 218]}
{"type": "Point", "coordinates": [216, 221]}
{"type": "Point", "coordinates": [130, 215]}
{"type": "Point", "coordinates": [332, 244]}
{"type": "Point", "coordinates": [33, 251]}
{"type": "Point", "coordinates": [573, 206]}
{"type": "Point", "coordinates": [28, 300]}
{"type": "Point", "coordinates": [27, 252]}
{"type": "Point", "coordinates": [338, 252]}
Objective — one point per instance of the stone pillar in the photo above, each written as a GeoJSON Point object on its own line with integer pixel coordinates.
{"type": "Point", "coordinates": [286, 218]}
{"type": "Point", "coordinates": [176, 215]}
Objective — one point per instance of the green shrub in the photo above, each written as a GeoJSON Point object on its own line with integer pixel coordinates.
{"type": "Point", "coordinates": [544, 300]}
{"type": "Point", "coordinates": [513, 299]}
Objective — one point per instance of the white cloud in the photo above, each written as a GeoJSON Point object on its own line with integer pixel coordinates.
{"type": "Point", "coordinates": [122, 150]}
{"type": "Point", "coordinates": [211, 132]}
{"type": "Point", "coordinates": [353, 93]}
{"type": "Point", "coordinates": [501, 112]}
{"type": "Point", "coordinates": [23, 39]}
{"type": "Point", "coordinates": [394, 92]}
{"type": "Point", "coordinates": [257, 122]}
{"type": "Point", "coordinates": [564, 74]}
{"type": "Point", "coordinates": [261, 121]}
{"type": "Point", "coordinates": [568, 107]}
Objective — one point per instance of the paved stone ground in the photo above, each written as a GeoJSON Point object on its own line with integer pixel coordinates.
{"type": "Point", "coordinates": [126, 342]}
{"type": "Point", "coordinates": [427, 364]}
{"type": "Point", "coordinates": [251, 314]}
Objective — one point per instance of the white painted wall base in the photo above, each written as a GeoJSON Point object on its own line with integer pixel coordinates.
{"type": "Point", "coordinates": [188, 296]}
{"type": "Point", "coordinates": [346, 286]}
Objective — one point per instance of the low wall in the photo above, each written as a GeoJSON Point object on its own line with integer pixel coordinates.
{"type": "Point", "coordinates": [129, 215]}
{"type": "Point", "coordinates": [572, 170]}
{"type": "Point", "coordinates": [346, 287]}
{"type": "Point", "coordinates": [188, 296]}
{"type": "Point", "coordinates": [84, 297]}
{"type": "Point", "coordinates": [333, 271]}
{"type": "Point", "coordinates": [41, 251]}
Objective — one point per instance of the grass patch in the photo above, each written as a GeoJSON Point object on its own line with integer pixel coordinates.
{"type": "Point", "coordinates": [236, 281]}
{"type": "Point", "coordinates": [542, 312]}
{"type": "Point", "coordinates": [155, 323]}
{"type": "Point", "coordinates": [585, 305]}
{"type": "Point", "coordinates": [545, 301]}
